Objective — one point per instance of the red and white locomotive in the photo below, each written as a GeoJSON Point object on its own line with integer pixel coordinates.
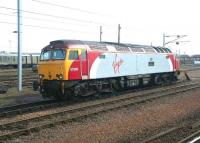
{"type": "Point", "coordinates": [73, 67]}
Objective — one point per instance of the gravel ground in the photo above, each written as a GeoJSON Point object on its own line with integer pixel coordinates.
{"type": "Point", "coordinates": [195, 75]}
{"type": "Point", "coordinates": [132, 124]}
{"type": "Point", "coordinates": [12, 97]}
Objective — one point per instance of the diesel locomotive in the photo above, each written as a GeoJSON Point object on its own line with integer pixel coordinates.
{"type": "Point", "coordinates": [79, 68]}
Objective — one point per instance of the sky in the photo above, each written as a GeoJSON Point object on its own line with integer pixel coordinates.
{"type": "Point", "coordinates": [142, 22]}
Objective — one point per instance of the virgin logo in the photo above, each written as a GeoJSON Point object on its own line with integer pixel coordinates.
{"type": "Point", "coordinates": [116, 64]}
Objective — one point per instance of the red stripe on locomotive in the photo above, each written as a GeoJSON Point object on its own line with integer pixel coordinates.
{"type": "Point", "coordinates": [174, 61]}
{"type": "Point", "coordinates": [76, 67]}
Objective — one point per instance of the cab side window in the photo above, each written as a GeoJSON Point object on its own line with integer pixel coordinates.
{"type": "Point", "coordinates": [83, 54]}
{"type": "Point", "coordinates": [73, 55]}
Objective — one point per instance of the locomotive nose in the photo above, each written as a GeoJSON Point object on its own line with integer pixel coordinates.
{"type": "Point", "coordinates": [52, 71]}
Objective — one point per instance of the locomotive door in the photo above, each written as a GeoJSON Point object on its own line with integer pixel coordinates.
{"type": "Point", "coordinates": [78, 65]}
{"type": "Point", "coordinates": [84, 64]}
{"type": "Point", "coordinates": [74, 64]}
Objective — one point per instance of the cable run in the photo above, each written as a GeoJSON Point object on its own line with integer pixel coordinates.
{"type": "Point", "coordinates": [42, 27]}
{"type": "Point", "coordinates": [55, 16]}
{"type": "Point", "coordinates": [71, 8]}
{"type": "Point", "coordinates": [45, 20]}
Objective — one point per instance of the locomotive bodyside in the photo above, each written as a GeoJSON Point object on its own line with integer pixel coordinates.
{"type": "Point", "coordinates": [125, 64]}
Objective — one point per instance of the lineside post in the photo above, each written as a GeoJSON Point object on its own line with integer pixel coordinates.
{"type": "Point", "coordinates": [101, 33]}
{"type": "Point", "coordinates": [19, 23]}
{"type": "Point", "coordinates": [119, 29]}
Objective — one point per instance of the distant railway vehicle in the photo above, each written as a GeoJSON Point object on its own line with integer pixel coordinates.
{"type": "Point", "coordinates": [196, 59]}
{"type": "Point", "coordinates": [75, 68]}
{"type": "Point", "coordinates": [186, 59]}
{"type": "Point", "coordinates": [9, 60]}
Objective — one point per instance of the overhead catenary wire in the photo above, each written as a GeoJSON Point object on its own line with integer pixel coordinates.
{"type": "Point", "coordinates": [56, 16]}
{"type": "Point", "coordinates": [45, 20]}
{"type": "Point", "coordinates": [44, 27]}
{"type": "Point", "coordinates": [71, 8]}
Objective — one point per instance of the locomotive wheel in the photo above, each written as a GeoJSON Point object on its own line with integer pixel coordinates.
{"type": "Point", "coordinates": [68, 94]}
{"type": "Point", "coordinates": [116, 86]}
{"type": "Point", "coordinates": [158, 80]}
{"type": "Point", "coordinates": [174, 78]}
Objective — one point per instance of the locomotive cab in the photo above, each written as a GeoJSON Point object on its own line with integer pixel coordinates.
{"type": "Point", "coordinates": [59, 64]}
{"type": "Point", "coordinates": [51, 65]}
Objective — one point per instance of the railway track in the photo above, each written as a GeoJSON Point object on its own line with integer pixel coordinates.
{"type": "Point", "coordinates": [193, 138]}
{"type": "Point", "coordinates": [14, 77]}
{"type": "Point", "coordinates": [8, 78]}
{"type": "Point", "coordinates": [14, 73]}
{"type": "Point", "coordinates": [188, 133]}
{"type": "Point", "coordinates": [25, 125]}
{"type": "Point", "coordinates": [194, 69]}
{"type": "Point", "coordinates": [14, 70]}
{"type": "Point", "coordinates": [10, 111]}
{"type": "Point", "coordinates": [191, 68]}
{"type": "Point", "coordinates": [12, 83]}
{"type": "Point", "coordinates": [20, 109]}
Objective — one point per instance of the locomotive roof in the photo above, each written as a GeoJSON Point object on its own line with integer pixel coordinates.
{"type": "Point", "coordinates": [105, 46]}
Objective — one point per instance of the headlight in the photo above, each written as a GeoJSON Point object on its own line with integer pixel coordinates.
{"type": "Point", "coordinates": [59, 76]}
{"type": "Point", "coordinates": [41, 76]}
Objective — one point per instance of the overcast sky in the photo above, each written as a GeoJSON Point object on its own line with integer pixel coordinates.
{"type": "Point", "coordinates": [142, 22]}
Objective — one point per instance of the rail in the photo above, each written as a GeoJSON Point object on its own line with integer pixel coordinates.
{"type": "Point", "coordinates": [183, 134]}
